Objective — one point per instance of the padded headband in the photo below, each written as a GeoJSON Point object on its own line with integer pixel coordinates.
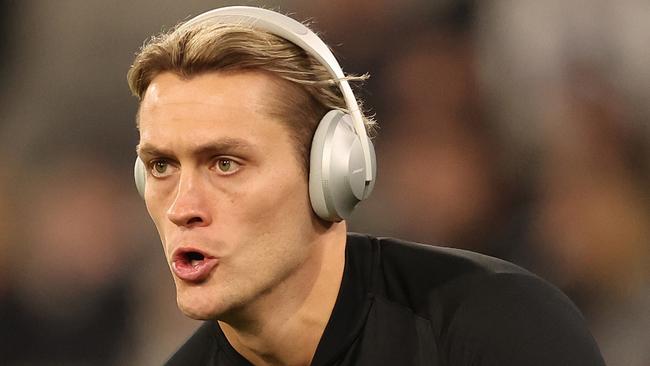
{"type": "Point", "coordinates": [296, 32]}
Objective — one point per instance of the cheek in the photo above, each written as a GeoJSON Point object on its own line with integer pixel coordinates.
{"type": "Point", "coordinates": [265, 225]}
{"type": "Point", "coordinates": [157, 210]}
{"type": "Point", "coordinates": [274, 204]}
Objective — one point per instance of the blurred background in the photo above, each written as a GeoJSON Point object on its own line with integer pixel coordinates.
{"type": "Point", "coordinates": [519, 128]}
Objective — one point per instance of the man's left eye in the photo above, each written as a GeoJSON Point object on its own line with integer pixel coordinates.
{"type": "Point", "coordinates": [227, 165]}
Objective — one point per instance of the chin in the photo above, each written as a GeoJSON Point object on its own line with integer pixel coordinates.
{"type": "Point", "coordinates": [196, 303]}
{"type": "Point", "coordinates": [197, 314]}
{"type": "Point", "coordinates": [197, 309]}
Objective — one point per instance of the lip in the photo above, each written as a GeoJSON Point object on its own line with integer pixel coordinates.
{"type": "Point", "coordinates": [192, 265]}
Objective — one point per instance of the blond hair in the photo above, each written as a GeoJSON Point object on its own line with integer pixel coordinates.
{"type": "Point", "coordinates": [309, 90]}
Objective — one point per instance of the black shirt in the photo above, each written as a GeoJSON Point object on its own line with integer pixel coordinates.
{"type": "Point", "coordinates": [405, 304]}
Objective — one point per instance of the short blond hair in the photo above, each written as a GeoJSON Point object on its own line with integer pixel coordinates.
{"type": "Point", "coordinates": [309, 90]}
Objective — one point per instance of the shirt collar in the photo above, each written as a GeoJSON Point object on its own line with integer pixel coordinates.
{"type": "Point", "coordinates": [352, 303]}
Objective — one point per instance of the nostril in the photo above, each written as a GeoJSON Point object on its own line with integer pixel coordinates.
{"type": "Point", "coordinates": [194, 220]}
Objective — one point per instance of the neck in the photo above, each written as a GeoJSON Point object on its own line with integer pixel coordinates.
{"type": "Point", "coordinates": [284, 327]}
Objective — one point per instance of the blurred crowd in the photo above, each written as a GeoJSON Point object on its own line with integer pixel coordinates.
{"type": "Point", "coordinates": [515, 128]}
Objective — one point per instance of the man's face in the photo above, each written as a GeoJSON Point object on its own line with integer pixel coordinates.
{"type": "Point", "coordinates": [224, 188]}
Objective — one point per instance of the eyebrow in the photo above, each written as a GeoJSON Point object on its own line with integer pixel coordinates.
{"type": "Point", "coordinates": [226, 145]}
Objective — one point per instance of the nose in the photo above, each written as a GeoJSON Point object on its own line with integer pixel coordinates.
{"type": "Point", "coordinates": [189, 208]}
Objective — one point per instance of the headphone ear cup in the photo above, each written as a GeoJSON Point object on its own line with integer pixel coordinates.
{"type": "Point", "coordinates": [337, 168]}
{"type": "Point", "coordinates": [140, 176]}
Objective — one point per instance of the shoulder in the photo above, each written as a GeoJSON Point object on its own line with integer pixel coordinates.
{"type": "Point", "coordinates": [480, 307]}
{"type": "Point", "coordinates": [198, 349]}
{"type": "Point", "coordinates": [449, 263]}
{"type": "Point", "coordinates": [519, 318]}
{"type": "Point", "coordinates": [416, 274]}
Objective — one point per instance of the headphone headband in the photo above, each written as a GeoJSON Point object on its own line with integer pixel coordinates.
{"type": "Point", "coordinates": [297, 33]}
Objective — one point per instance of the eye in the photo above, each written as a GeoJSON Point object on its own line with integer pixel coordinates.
{"type": "Point", "coordinates": [160, 168]}
{"type": "Point", "coordinates": [226, 165]}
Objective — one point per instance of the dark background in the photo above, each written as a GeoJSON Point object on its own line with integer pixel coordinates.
{"type": "Point", "coordinates": [513, 128]}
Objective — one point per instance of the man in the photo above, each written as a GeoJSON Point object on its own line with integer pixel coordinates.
{"type": "Point", "coordinates": [227, 116]}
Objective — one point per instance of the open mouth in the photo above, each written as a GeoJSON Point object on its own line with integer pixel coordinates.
{"type": "Point", "coordinates": [194, 258]}
{"type": "Point", "coordinates": [192, 265]}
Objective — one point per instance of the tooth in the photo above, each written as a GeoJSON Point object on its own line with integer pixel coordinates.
{"type": "Point", "coordinates": [194, 262]}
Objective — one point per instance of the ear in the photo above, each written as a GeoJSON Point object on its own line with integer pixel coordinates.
{"type": "Point", "coordinates": [337, 168]}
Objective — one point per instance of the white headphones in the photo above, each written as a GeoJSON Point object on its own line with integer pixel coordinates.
{"type": "Point", "coordinates": [342, 168]}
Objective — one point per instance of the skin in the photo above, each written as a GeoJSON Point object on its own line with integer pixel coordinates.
{"type": "Point", "coordinates": [224, 177]}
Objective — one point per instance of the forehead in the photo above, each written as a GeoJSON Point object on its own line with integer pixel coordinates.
{"type": "Point", "coordinates": [228, 90]}
{"type": "Point", "coordinates": [176, 108]}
